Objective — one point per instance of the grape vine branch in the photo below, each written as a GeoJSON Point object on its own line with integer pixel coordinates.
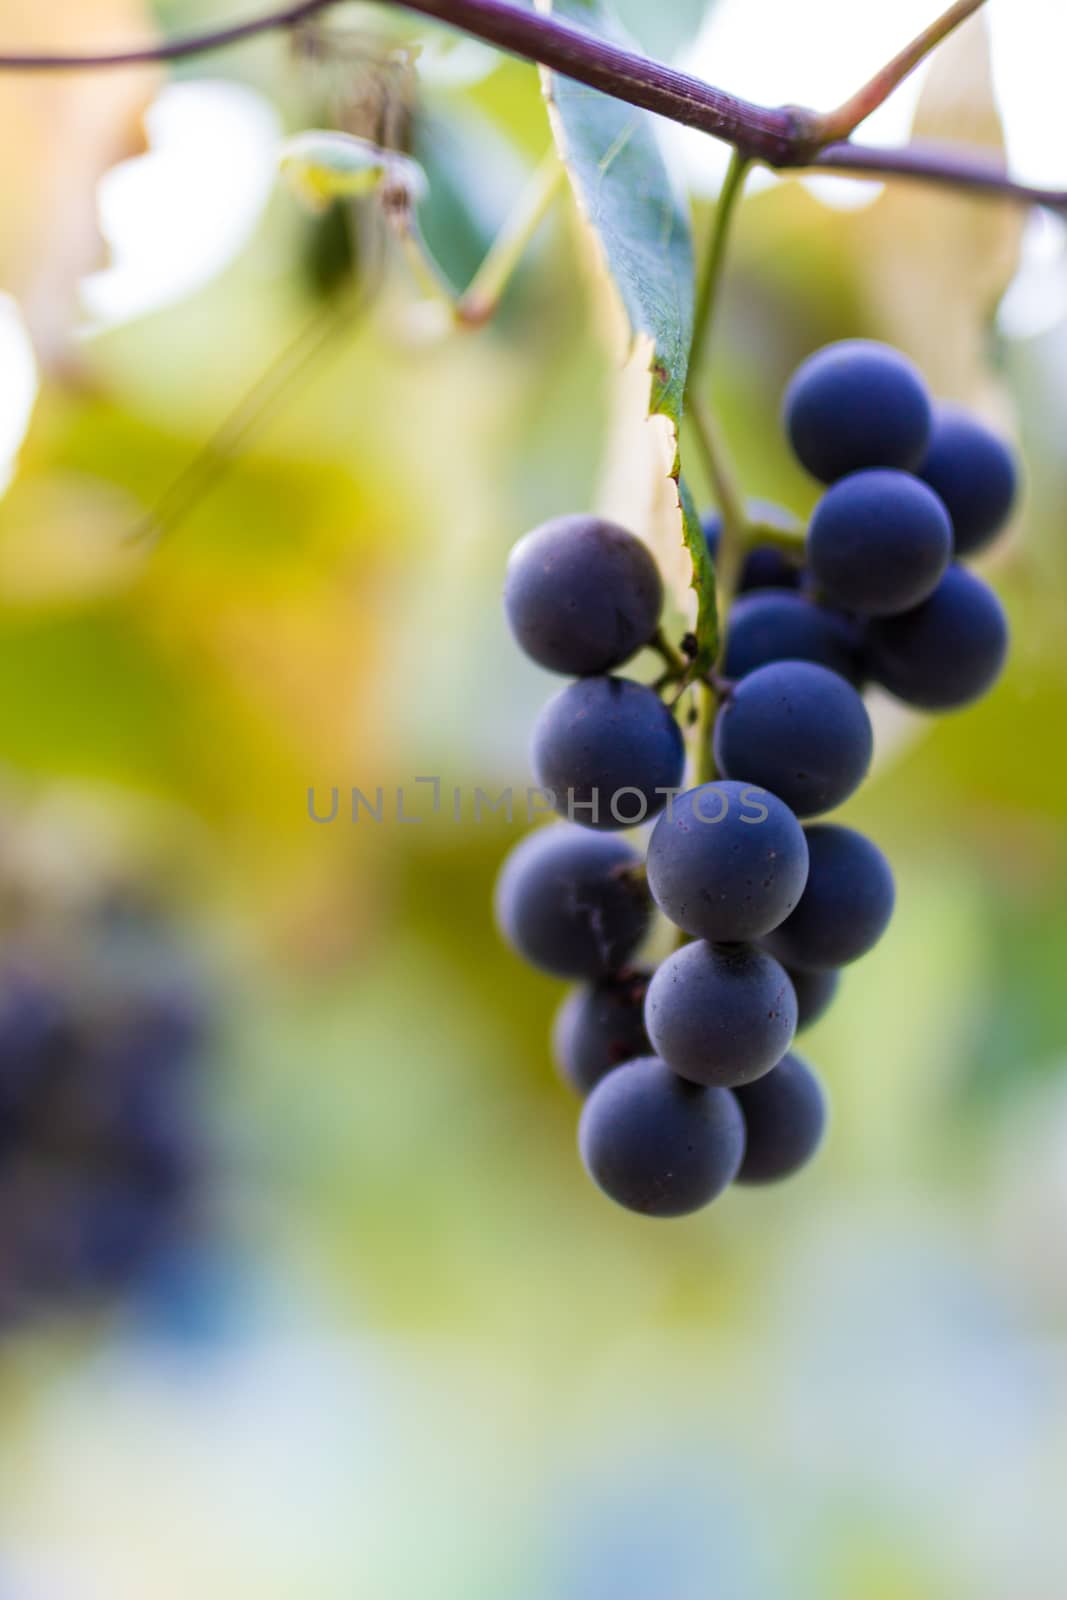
{"type": "Point", "coordinates": [780, 137]}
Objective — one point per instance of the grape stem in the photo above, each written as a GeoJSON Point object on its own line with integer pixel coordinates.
{"type": "Point", "coordinates": [946, 166]}
{"type": "Point", "coordinates": [676, 663]}
{"type": "Point", "coordinates": [790, 541]}
{"type": "Point", "coordinates": [479, 301]}
{"type": "Point", "coordinates": [781, 137]}
{"type": "Point", "coordinates": [703, 755]}
{"type": "Point", "coordinates": [716, 459]}
{"type": "Point", "coordinates": [429, 280]}
{"type": "Point", "coordinates": [722, 576]}
{"type": "Point", "coordinates": [842, 123]}
{"type": "Point", "coordinates": [733, 537]}
{"type": "Point", "coordinates": [739, 532]}
{"type": "Point", "coordinates": [715, 258]}
{"type": "Point", "coordinates": [322, 337]}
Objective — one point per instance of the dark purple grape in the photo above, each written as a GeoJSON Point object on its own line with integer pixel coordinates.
{"type": "Point", "coordinates": [815, 992]}
{"type": "Point", "coordinates": [609, 751]}
{"type": "Point", "coordinates": [568, 901]}
{"type": "Point", "coordinates": [948, 652]}
{"type": "Point", "coordinates": [785, 1119]}
{"type": "Point", "coordinates": [857, 404]}
{"type": "Point", "coordinates": [122, 1229]}
{"type": "Point", "coordinates": [720, 1014]}
{"type": "Point", "coordinates": [658, 1145]}
{"type": "Point", "coordinates": [974, 473]}
{"type": "Point", "coordinates": [598, 1027]}
{"type": "Point", "coordinates": [798, 730]}
{"type": "Point", "coordinates": [846, 906]}
{"type": "Point", "coordinates": [35, 1041]}
{"type": "Point", "coordinates": [879, 542]}
{"type": "Point", "coordinates": [582, 595]}
{"type": "Point", "coordinates": [776, 626]}
{"type": "Point", "coordinates": [102, 1121]}
{"type": "Point", "coordinates": [727, 862]}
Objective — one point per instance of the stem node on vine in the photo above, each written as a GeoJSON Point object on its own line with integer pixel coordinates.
{"type": "Point", "coordinates": [786, 138]}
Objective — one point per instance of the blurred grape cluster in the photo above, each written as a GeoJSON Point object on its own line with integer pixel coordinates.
{"type": "Point", "coordinates": [103, 1147]}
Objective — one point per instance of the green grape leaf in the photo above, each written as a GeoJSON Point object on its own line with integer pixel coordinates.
{"type": "Point", "coordinates": [635, 212]}
{"type": "Point", "coordinates": [639, 222]}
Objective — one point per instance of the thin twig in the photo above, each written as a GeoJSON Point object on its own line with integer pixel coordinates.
{"type": "Point", "coordinates": [479, 301]}
{"type": "Point", "coordinates": [428, 276]}
{"type": "Point", "coordinates": [840, 124]}
{"type": "Point", "coordinates": [772, 135]}
{"type": "Point", "coordinates": [210, 465]}
{"type": "Point", "coordinates": [783, 137]}
{"type": "Point", "coordinates": [320, 337]}
{"type": "Point", "coordinates": [193, 44]}
{"type": "Point", "coordinates": [715, 261]}
{"type": "Point", "coordinates": [951, 166]}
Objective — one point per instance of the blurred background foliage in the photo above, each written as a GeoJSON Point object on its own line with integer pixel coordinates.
{"type": "Point", "coordinates": [423, 1356]}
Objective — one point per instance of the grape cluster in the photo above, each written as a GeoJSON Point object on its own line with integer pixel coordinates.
{"type": "Point", "coordinates": [102, 1146]}
{"type": "Point", "coordinates": [687, 1070]}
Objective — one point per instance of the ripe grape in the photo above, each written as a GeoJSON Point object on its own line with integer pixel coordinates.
{"type": "Point", "coordinates": [568, 902]}
{"type": "Point", "coordinates": [798, 730]}
{"type": "Point", "coordinates": [658, 1145]}
{"type": "Point", "coordinates": [582, 595]}
{"type": "Point", "coordinates": [947, 652]}
{"type": "Point", "coordinates": [857, 404]}
{"type": "Point", "coordinates": [598, 1027]}
{"type": "Point", "coordinates": [676, 1063]}
{"type": "Point", "coordinates": [974, 472]}
{"type": "Point", "coordinates": [35, 1035]}
{"type": "Point", "coordinates": [152, 1117]}
{"type": "Point", "coordinates": [785, 1118]}
{"type": "Point", "coordinates": [879, 542]}
{"type": "Point", "coordinates": [102, 1134]}
{"type": "Point", "coordinates": [764, 567]}
{"type": "Point", "coordinates": [815, 992]}
{"type": "Point", "coordinates": [845, 907]}
{"type": "Point", "coordinates": [604, 747]}
{"type": "Point", "coordinates": [720, 1014]}
{"type": "Point", "coordinates": [777, 626]}
{"type": "Point", "coordinates": [727, 862]}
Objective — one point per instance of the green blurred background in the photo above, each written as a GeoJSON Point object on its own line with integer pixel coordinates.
{"type": "Point", "coordinates": [426, 1358]}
